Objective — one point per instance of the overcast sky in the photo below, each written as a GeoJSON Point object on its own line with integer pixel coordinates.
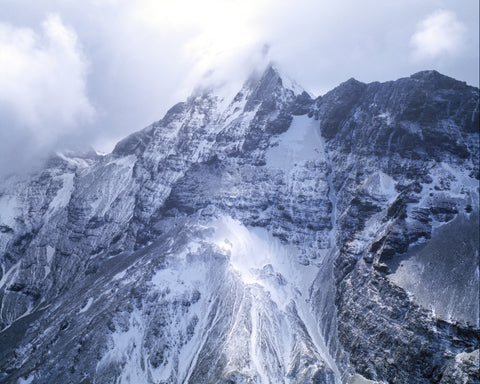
{"type": "Point", "coordinates": [93, 71]}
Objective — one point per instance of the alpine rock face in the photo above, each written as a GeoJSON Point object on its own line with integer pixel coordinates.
{"type": "Point", "coordinates": [272, 238]}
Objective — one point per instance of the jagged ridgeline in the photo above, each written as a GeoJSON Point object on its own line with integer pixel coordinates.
{"type": "Point", "coordinates": [271, 238]}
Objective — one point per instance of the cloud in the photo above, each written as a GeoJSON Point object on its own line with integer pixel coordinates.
{"type": "Point", "coordinates": [43, 98]}
{"type": "Point", "coordinates": [439, 34]}
{"type": "Point", "coordinates": [42, 77]}
{"type": "Point", "coordinates": [146, 55]}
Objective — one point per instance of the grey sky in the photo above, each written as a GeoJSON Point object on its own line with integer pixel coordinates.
{"type": "Point", "coordinates": [93, 71]}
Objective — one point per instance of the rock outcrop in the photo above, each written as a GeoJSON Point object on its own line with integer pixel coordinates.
{"type": "Point", "coordinates": [270, 238]}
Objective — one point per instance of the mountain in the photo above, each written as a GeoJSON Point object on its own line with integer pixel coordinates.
{"type": "Point", "coordinates": [272, 238]}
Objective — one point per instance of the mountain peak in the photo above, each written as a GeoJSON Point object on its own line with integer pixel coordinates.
{"type": "Point", "coordinates": [272, 75]}
{"type": "Point", "coordinates": [287, 81]}
{"type": "Point", "coordinates": [427, 74]}
{"type": "Point", "coordinates": [437, 79]}
{"type": "Point", "coordinates": [270, 84]}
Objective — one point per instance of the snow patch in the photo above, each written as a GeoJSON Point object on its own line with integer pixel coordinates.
{"type": "Point", "coordinates": [124, 162]}
{"type": "Point", "coordinates": [301, 143]}
{"type": "Point", "coordinates": [386, 116]}
{"type": "Point", "coordinates": [263, 262]}
{"type": "Point", "coordinates": [120, 275]}
{"type": "Point", "coordinates": [86, 306]}
{"type": "Point", "coordinates": [126, 349]}
{"type": "Point", "coordinates": [359, 379]}
{"type": "Point", "coordinates": [28, 380]}
{"type": "Point", "coordinates": [50, 252]}
{"type": "Point", "coordinates": [74, 161]}
{"type": "Point", "coordinates": [9, 210]}
{"type": "Point", "coordinates": [259, 258]}
{"type": "Point", "coordinates": [183, 275]}
{"type": "Point", "coordinates": [62, 198]}
{"type": "Point", "coordinates": [448, 182]}
{"type": "Point", "coordinates": [10, 275]}
{"type": "Point", "coordinates": [381, 185]}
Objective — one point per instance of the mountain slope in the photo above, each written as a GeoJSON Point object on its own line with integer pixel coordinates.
{"type": "Point", "coordinates": [273, 238]}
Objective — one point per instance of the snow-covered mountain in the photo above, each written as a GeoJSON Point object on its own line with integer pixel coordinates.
{"type": "Point", "coordinates": [272, 238]}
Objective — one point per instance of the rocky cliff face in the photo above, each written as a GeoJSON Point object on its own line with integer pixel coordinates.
{"type": "Point", "coordinates": [271, 238]}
